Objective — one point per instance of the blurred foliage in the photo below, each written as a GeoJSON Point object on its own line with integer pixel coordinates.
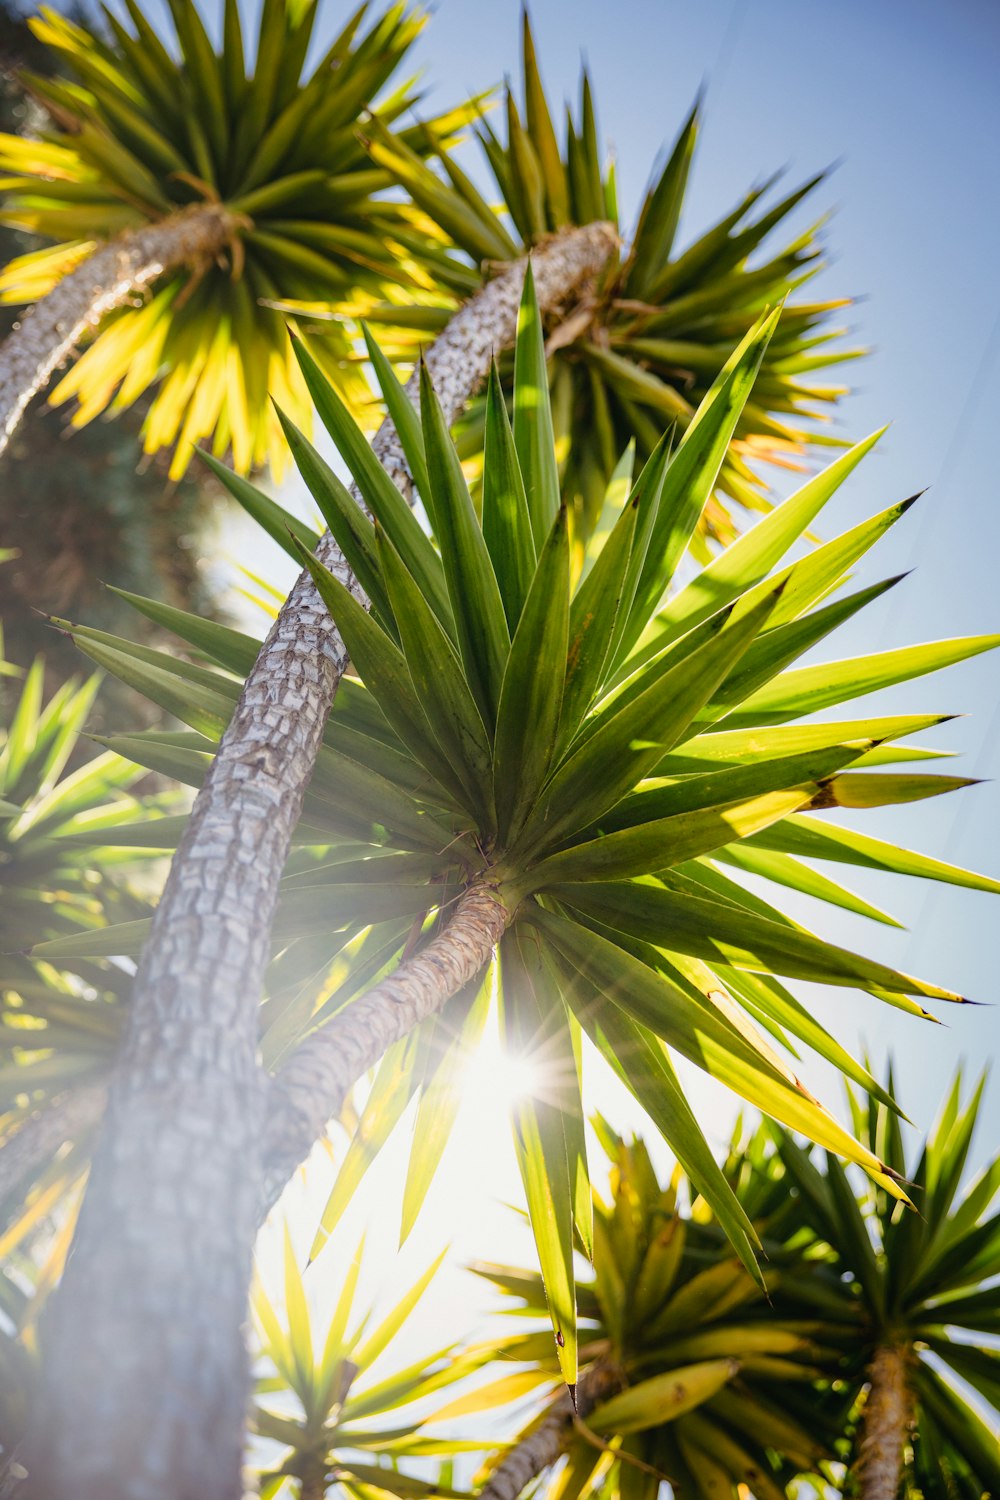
{"type": "Point", "coordinates": [81, 506]}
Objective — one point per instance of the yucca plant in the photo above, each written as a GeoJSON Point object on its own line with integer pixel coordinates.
{"type": "Point", "coordinates": [920, 1290]}
{"type": "Point", "coordinates": [219, 182]}
{"type": "Point", "coordinates": [646, 340]}
{"type": "Point", "coordinates": [568, 775]}
{"type": "Point", "coordinates": [335, 1419]}
{"type": "Point", "coordinates": [60, 1023]}
{"type": "Point", "coordinates": [687, 1365]}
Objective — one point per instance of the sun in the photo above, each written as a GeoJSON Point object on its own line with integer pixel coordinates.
{"type": "Point", "coordinates": [493, 1078]}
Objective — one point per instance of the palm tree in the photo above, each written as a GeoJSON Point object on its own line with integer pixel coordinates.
{"type": "Point", "coordinates": [686, 1362]}
{"type": "Point", "coordinates": [555, 768]}
{"type": "Point", "coordinates": [120, 518]}
{"type": "Point", "coordinates": [344, 1424]}
{"type": "Point", "coordinates": [642, 347]}
{"type": "Point", "coordinates": [285, 678]}
{"type": "Point", "coordinates": [60, 1023]}
{"type": "Point", "coordinates": [217, 189]}
{"type": "Point", "coordinates": [918, 1289]}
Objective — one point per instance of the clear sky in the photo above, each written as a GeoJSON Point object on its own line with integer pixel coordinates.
{"type": "Point", "coordinates": [903, 93]}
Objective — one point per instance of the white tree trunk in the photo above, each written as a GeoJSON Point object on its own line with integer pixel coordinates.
{"type": "Point", "coordinates": [146, 1373]}
{"type": "Point", "coordinates": [49, 331]}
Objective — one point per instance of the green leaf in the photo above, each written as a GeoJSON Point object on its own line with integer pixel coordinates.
{"type": "Point", "coordinates": [654, 235]}
{"type": "Point", "coordinates": [229, 648]}
{"type": "Point", "coordinates": [377, 489]}
{"type": "Point", "coordinates": [439, 684]}
{"type": "Point", "coordinates": [630, 741]}
{"type": "Point", "coordinates": [639, 1059]}
{"type": "Point", "coordinates": [752, 556]}
{"type": "Point", "coordinates": [529, 1022]}
{"type": "Point", "coordinates": [703, 1033]}
{"type": "Point", "coordinates": [594, 613]}
{"type": "Point", "coordinates": [533, 436]}
{"type": "Point", "coordinates": [349, 526]}
{"type": "Point", "coordinates": [506, 522]}
{"type": "Point", "coordinates": [662, 1398]}
{"type": "Point", "coordinates": [440, 1099]}
{"type": "Point", "coordinates": [809, 689]}
{"type": "Point", "coordinates": [532, 692]}
{"type": "Point", "coordinates": [542, 133]}
{"type": "Point", "coordinates": [299, 1331]}
{"type": "Point", "coordinates": [725, 935]}
{"type": "Point", "coordinates": [269, 515]}
{"type": "Point", "coordinates": [379, 1340]}
{"type": "Point", "coordinates": [402, 413]}
{"type": "Point", "coordinates": [648, 847]}
{"type": "Point", "coordinates": [384, 669]}
{"type": "Point", "coordinates": [743, 747]}
{"type": "Point", "coordinates": [814, 839]}
{"type": "Point", "coordinates": [692, 474]}
{"type": "Point", "coordinates": [390, 1095]}
{"type": "Point", "coordinates": [483, 637]}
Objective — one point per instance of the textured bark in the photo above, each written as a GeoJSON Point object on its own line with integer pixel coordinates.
{"type": "Point", "coordinates": [39, 1138]}
{"type": "Point", "coordinates": [541, 1448]}
{"type": "Point", "coordinates": [888, 1414]}
{"type": "Point", "coordinates": [314, 1082]}
{"type": "Point", "coordinates": [145, 1371]}
{"type": "Point", "coordinates": [49, 331]}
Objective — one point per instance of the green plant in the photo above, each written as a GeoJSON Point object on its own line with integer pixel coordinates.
{"type": "Point", "coordinates": [575, 771]}
{"type": "Point", "coordinates": [253, 168]}
{"type": "Point", "coordinates": [920, 1290]}
{"type": "Point", "coordinates": [337, 1429]}
{"type": "Point", "coordinates": [643, 345]}
{"type": "Point", "coordinates": [688, 1366]}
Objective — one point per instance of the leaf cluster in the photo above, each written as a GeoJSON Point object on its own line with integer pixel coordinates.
{"type": "Point", "coordinates": [605, 753]}
{"type": "Point", "coordinates": [145, 129]}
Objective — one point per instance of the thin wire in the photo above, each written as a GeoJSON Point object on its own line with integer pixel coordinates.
{"type": "Point", "coordinates": [728, 44]}
{"type": "Point", "coordinates": [930, 516]}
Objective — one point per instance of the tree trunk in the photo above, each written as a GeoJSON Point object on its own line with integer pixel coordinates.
{"type": "Point", "coordinates": [541, 1448]}
{"type": "Point", "coordinates": [49, 331]}
{"type": "Point", "coordinates": [69, 1118]}
{"type": "Point", "coordinates": [145, 1369]}
{"type": "Point", "coordinates": [313, 1084]}
{"type": "Point", "coordinates": [888, 1413]}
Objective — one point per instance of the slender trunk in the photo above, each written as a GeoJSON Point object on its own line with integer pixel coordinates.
{"type": "Point", "coordinates": [49, 331]}
{"type": "Point", "coordinates": [145, 1370]}
{"type": "Point", "coordinates": [313, 1487]}
{"type": "Point", "coordinates": [888, 1414]}
{"type": "Point", "coordinates": [69, 1118]}
{"type": "Point", "coordinates": [313, 1084]}
{"type": "Point", "coordinates": [541, 1448]}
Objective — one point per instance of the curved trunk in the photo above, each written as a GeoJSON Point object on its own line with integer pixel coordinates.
{"type": "Point", "coordinates": [47, 334]}
{"type": "Point", "coordinates": [888, 1414]}
{"type": "Point", "coordinates": [313, 1084]}
{"type": "Point", "coordinates": [145, 1369]}
{"type": "Point", "coordinates": [36, 1142]}
{"type": "Point", "coordinates": [541, 1448]}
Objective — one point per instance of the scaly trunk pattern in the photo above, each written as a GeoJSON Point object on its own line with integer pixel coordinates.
{"type": "Point", "coordinates": [888, 1413]}
{"type": "Point", "coordinates": [541, 1448]}
{"type": "Point", "coordinates": [145, 1367]}
{"type": "Point", "coordinates": [49, 331]}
